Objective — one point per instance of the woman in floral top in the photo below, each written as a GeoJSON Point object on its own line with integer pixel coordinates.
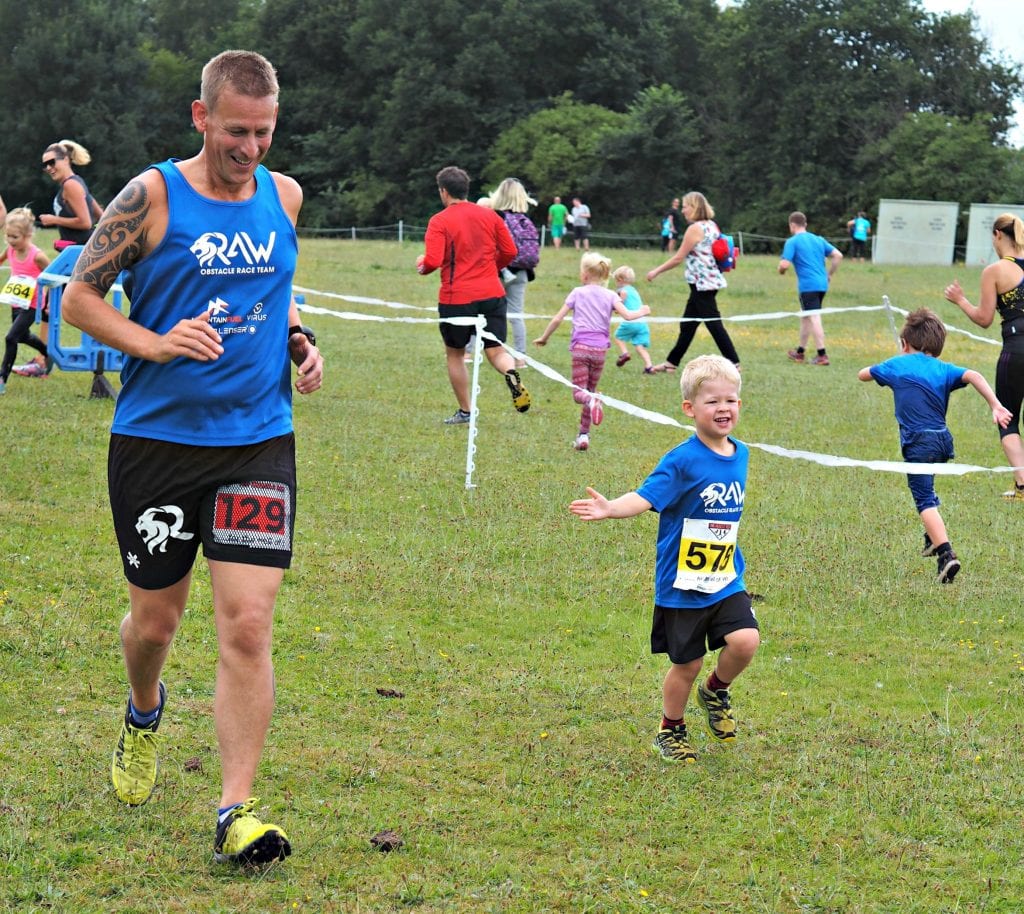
{"type": "Point", "coordinates": [704, 279]}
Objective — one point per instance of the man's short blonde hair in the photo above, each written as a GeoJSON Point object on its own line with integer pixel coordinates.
{"type": "Point", "coordinates": [705, 369]}
{"type": "Point", "coordinates": [248, 73]}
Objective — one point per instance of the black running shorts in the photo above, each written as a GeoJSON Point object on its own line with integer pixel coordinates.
{"type": "Point", "coordinates": [682, 633]}
{"type": "Point", "coordinates": [167, 498]}
{"type": "Point", "coordinates": [457, 336]}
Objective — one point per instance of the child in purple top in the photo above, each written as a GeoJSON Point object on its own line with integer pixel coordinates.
{"type": "Point", "coordinates": [592, 304]}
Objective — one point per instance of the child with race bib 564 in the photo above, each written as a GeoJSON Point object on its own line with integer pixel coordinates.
{"type": "Point", "coordinates": [26, 262]}
{"type": "Point", "coordinates": [700, 598]}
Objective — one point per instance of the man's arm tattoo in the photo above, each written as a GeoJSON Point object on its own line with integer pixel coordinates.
{"type": "Point", "coordinates": [118, 241]}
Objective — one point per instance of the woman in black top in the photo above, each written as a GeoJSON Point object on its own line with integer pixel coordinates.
{"type": "Point", "coordinates": [1002, 290]}
{"type": "Point", "coordinates": [74, 209]}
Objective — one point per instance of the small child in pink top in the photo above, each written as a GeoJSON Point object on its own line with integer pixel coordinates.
{"type": "Point", "coordinates": [20, 292]}
{"type": "Point", "coordinates": [592, 305]}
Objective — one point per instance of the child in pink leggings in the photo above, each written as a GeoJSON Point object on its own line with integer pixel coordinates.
{"type": "Point", "coordinates": [592, 304]}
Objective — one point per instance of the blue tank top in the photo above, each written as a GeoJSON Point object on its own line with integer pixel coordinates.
{"type": "Point", "coordinates": [235, 260]}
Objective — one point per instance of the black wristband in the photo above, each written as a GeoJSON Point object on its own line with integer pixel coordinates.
{"type": "Point", "coordinates": [305, 331]}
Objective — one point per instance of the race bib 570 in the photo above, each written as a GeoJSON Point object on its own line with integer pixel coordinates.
{"type": "Point", "coordinates": [706, 552]}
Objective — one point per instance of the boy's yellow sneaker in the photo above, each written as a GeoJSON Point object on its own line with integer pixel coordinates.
{"type": "Point", "coordinates": [134, 766]}
{"type": "Point", "coordinates": [720, 720]}
{"type": "Point", "coordinates": [673, 745]}
{"type": "Point", "coordinates": [1015, 494]}
{"type": "Point", "coordinates": [243, 839]}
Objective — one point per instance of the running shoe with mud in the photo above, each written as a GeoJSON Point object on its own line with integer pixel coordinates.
{"type": "Point", "coordinates": [520, 395]}
{"type": "Point", "coordinates": [721, 723]}
{"type": "Point", "coordinates": [243, 839]}
{"type": "Point", "coordinates": [673, 745]}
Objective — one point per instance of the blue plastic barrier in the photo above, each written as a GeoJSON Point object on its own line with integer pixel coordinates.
{"type": "Point", "coordinates": [88, 355]}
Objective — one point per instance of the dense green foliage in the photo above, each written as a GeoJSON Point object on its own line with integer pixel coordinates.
{"type": "Point", "coordinates": [767, 106]}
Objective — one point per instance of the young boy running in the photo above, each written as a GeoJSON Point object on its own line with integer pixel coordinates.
{"type": "Point", "coordinates": [701, 602]}
{"type": "Point", "coordinates": [921, 385]}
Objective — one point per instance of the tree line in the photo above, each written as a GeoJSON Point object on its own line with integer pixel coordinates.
{"type": "Point", "coordinates": [765, 106]}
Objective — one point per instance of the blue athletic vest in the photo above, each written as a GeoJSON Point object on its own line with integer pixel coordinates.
{"type": "Point", "coordinates": [235, 260]}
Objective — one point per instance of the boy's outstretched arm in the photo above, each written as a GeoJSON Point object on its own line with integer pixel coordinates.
{"type": "Point", "coordinates": [864, 374]}
{"type": "Point", "coordinates": [1001, 416]}
{"type": "Point", "coordinates": [597, 507]}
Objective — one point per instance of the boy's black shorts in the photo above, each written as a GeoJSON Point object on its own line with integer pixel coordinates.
{"type": "Point", "coordinates": [166, 499]}
{"type": "Point", "coordinates": [457, 336]}
{"type": "Point", "coordinates": [682, 633]}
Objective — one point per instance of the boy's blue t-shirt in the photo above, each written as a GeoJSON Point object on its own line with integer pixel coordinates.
{"type": "Point", "coordinates": [921, 385]}
{"type": "Point", "coordinates": [698, 493]}
{"type": "Point", "coordinates": [807, 252]}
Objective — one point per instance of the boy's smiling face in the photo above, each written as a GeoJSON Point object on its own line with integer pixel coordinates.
{"type": "Point", "coordinates": [715, 410]}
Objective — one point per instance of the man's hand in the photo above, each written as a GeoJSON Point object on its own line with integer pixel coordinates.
{"type": "Point", "coordinates": [309, 361]}
{"type": "Point", "coordinates": [192, 338]}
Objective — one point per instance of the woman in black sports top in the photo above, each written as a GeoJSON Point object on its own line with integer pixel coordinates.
{"type": "Point", "coordinates": [1002, 290]}
{"type": "Point", "coordinates": [74, 209]}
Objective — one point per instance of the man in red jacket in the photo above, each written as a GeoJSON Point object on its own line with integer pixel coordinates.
{"type": "Point", "coordinates": [470, 244]}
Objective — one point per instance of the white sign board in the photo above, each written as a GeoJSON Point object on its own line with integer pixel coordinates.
{"type": "Point", "coordinates": [979, 230]}
{"type": "Point", "coordinates": [915, 231]}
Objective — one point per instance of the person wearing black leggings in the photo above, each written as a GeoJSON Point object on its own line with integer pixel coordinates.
{"type": "Point", "coordinates": [704, 279]}
{"type": "Point", "coordinates": [1002, 290]}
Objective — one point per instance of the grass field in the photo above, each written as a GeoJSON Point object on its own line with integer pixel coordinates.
{"type": "Point", "coordinates": [878, 766]}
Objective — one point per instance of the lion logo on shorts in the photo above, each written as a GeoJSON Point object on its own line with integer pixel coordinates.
{"type": "Point", "coordinates": [209, 245]}
{"type": "Point", "coordinates": [156, 531]}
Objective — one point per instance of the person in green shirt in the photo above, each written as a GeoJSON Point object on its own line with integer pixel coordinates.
{"type": "Point", "coordinates": [556, 221]}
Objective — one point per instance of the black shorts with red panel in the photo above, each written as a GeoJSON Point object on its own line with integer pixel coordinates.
{"type": "Point", "coordinates": [168, 498]}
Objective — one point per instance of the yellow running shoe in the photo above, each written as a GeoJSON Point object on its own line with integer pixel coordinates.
{"type": "Point", "coordinates": [1015, 494]}
{"type": "Point", "coordinates": [243, 839]}
{"type": "Point", "coordinates": [520, 395]}
{"type": "Point", "coordinates": [135, 764]}
{"type": "Point", "coordinates": [673, 745]}
{"type": "Point", "coordinates": [720, 720]}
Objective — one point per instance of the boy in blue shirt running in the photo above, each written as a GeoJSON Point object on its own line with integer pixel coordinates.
{"type": "Point", "coordinates": [806, 253]}
{"type": "Point", "coordinates": [701, 601]}
{"type": "Point", "coordinates": [921, 385]}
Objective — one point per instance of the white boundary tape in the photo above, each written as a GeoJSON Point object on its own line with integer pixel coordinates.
{"type": "Point", "coordinates": [827, 460]}
{"type": "Point", "coordinates": [736, 318]}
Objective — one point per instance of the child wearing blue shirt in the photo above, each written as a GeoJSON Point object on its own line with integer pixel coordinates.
{"type": "Point", "coordinates": [636, 332]}
{"type": "Point", "coordinates": [921, 385]}
{"type": "Point", "coordinates": [701, 601]}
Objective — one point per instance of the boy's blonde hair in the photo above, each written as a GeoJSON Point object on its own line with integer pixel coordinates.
{"type": "Point", "coordinates": [23, 220]}
{"type": "Point", "coordinates": [624, 276]}
{"type": "Point", "coordinates": [595, 266]}
{"type": "Point", "coordinates": [704, 369]}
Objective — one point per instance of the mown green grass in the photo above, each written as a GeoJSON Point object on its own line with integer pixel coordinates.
{"type": "Point", "coordinates": [877, 769]}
